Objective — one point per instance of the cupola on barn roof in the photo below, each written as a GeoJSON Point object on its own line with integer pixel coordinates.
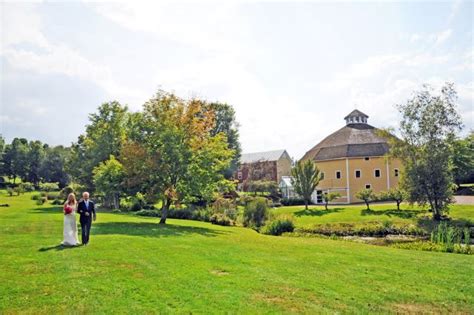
{"type": "Point", "coordinates": [356, 139]}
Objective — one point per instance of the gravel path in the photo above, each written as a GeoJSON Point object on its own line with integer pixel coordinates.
{"type": "Point", "coordinates": [464, 200]}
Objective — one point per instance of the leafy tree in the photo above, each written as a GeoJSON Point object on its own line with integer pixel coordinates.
{"type": "Point", "coordinates": [226, 123]}
{"type": "Point", "coordinates": [306, 177]}
{"type": "Point", "coordinates": [53, 166]}
{"type": "Point", "coordinates": [104, 136]}
{"type": "Point", "coordinates": [108, 177]}
{"type": "Point", "coordinates": [428, 127]}
{"type": "Point", "coordinates": [367, 195]}
{"type": "Point", "coordinates": [186, 159]}
{"type": "Point", "coordinates": [15, 159]}
{"type": "Point", "coordinates": [396, 194]}
{"type": "Point", "coordinates": [35, 157]}
{"type": "Point", "coordinates": [463, 159]}
{"type": "Point", "coordinates": [329, 197]}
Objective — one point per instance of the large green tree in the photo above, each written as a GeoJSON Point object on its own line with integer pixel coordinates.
{"type": "Point", "coordinates": [104, 136]}
{"type": "Point", "coordinates": [53, 166]}
{"type": "Point", "coordinates": [15, 159]}
{"type": "Point", "coordinates": [108, 178]}
{"type": "Point", "coordinates": [226, 123]}
{"type": "Point", "coordinates": [306, 177]}
{"type": "Point", "coordinates": [463, 159]}
{"type": "Point", "coordinates": [35, 157]}
{"type": "Point", "coordinates": [428, 128]}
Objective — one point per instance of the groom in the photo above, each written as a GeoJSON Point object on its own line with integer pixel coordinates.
{"type": "Point", "coordinates": [86, 209]}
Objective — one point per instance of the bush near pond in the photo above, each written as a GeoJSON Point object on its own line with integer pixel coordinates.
{"type": "Point", "coordinates": [278, 226]}
{"type": "Point", "coordinates": [364, 229]}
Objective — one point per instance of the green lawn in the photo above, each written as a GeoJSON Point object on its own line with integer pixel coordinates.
{"type": "Point", "coordinates": [359, 214]}
{"type": "Point", "coordinates": [134, 265]}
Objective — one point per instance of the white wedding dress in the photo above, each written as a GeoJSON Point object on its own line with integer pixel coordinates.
{"type": "Point", "coordinates": [70, 229]}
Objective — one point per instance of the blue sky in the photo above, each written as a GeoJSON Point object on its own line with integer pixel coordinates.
{"type": "Point", "coordinates": [292, 70]}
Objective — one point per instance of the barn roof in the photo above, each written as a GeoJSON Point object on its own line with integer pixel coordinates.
{"type": "Point", "coordinates": [353, 140]}
{"type": "Point", "coordinates": [261, 156]}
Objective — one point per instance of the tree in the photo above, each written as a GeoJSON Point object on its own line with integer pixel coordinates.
{"type": "Point", "coordinates": [187, 160]}
{"type": "Point", "coordinates": [367, 195]}
{"type": "Point", "coordinates": [306, 177]}
{"type": "Point", "coordinates": [35, 157]}
{"type": "Point", "coordinates": [463, 159]}
{"type": "Point", "coordinates": [104, 136]}
{"type": "Point", "coordinates": [329, 197]}
{"type": "Point", "coordinates": [108, 177]}
{"type": "Point", "coordinates": [53, 166]}
{"type": "Point", "coordinates": [428, 127]}
{"type": "Point", "coordinates": [226, 123]}
{"type": "Point", "coordinates": [396, 194]}
{"type": "Point", "coordinates": [15, 159]}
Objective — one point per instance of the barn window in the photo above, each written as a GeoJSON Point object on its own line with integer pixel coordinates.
{"type": "Point", "coordinates": [377, 173]}
{"type": "Point", "coordinates": [357, 173]}
{"type": "Point", "coordinates": [322, 175]}
{"type": "Point", "coordinates": [338, 174]}
{"type": "Point", "coordinates": [396, 172]}
{"type": "Point", "coordinates": [368, 186]}
{"type": "Point", "coordinates": [366, 158]}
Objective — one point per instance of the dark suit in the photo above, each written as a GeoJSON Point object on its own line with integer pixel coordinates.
{"type": "Point", "coordinates": [86, 220]}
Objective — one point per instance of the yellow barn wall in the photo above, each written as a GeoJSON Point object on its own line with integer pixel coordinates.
{"type": "Point", "coordinates": [347, 167]}
{"type": "Point", "coordinates": [283, 167]}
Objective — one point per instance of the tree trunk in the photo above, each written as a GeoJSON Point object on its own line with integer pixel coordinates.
{"type": "Point", "coordinates": [398, 205]}
{"type": "Point", "coordinates": [326, 205]}
{"type": "Point", "coordinates": [164, 210]}
{"type": "Point", "coordinates": [306, 204]}
{"type": "Point", "coordinates": [367, 204]}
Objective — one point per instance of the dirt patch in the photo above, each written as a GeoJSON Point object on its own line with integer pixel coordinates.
{"type": "Point", "coordinates": [408, 308]}
{"type": "Point", "coordinates": [219, 272]}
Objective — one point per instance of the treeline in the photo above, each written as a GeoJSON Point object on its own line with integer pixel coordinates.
{"type": "Point", "coordinates": [174, 150]}
{"type": "Point", "coordinates": [33, 161]}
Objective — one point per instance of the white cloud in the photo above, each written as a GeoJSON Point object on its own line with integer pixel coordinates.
{"type": "Point", "coordinates": [441, 37]}
{"type": "Point", "coordinates": [456, 5]}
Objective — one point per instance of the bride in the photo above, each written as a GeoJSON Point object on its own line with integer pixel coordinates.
{"type": "Point", "coordinates": [70, 226]}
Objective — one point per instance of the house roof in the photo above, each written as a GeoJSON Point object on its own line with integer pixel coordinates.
{"type": "Point", "coordinates": [261, 156]}
{"type": "Point", "coordinates": [353, 140]}
{"type": "Point", "coordinates": [356, 113]}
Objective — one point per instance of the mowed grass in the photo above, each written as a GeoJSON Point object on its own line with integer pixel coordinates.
{"type": "Point", "coordinates": [360, 214]}
{"type": "Point", "coordinates": [134, 265]}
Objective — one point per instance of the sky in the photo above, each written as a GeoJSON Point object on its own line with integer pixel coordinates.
{"type": "Point", "coordinates": [292, 70]}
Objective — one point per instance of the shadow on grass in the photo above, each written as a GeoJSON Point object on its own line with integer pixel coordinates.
{"type": "Point", "coordinates": [147, 229]}
{"type": "Point", "coordinates": [316, 212]}
{"type": "Point", "coordinates": [48, 209]}
{"type": "Point", "coordinates": [405, 214]}
{"type": "Point", "coordinates": [56, 247]}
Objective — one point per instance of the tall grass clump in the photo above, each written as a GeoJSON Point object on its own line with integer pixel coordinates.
{"type": "Point", "coordinates": [452, 239]}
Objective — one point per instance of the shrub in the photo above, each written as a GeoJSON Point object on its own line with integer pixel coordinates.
{"type": "Point", "coordinates": [65, 192]}
{"type": "Point", "coordinates": [57, 202]}
{"type": "Point", "coordinates": [255, 213]}
{"type": "Point", "coordinates": [364, 229]}
{"type": "Point", "coordinates": [292, 201]}
{"type": "Point", "coordinates": [221, 219]}
{"type": "Point", "coordinates": [133, 203]}
{"type": "Point", "coordinates": [41, 201]}
{"type": "Point", "coordinates": [279, 226]}
{"type": "Point", "coordinates": [148, 213]}
{"type": "Point", "coordinates": [184, 214]}
{"type": "Point", "coordinates": [36, 197]}
{"type": "Point", "coordinates": [226, 207]}
{"type": "Point", "coordinates": [18, 190]}
{"type": "Point", "coordinates": [27, 186]}
{"type": "Point", "coordinates": [49, 186]}
{"type": "Point", "coordinates": [10, 191]}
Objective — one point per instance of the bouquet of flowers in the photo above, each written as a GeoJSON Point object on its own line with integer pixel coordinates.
{"type": "Point", "coordinates": [67, 209]}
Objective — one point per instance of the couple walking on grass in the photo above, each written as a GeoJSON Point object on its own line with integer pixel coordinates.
{"type": "Point", "coordinates": [86, 209]}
